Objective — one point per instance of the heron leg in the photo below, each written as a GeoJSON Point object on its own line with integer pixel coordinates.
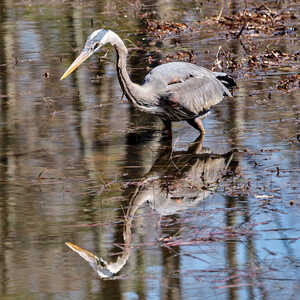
{"type": "Point", "coordinates": [197, 124]}
{"type": "Point", "coordinates": [167, 127]}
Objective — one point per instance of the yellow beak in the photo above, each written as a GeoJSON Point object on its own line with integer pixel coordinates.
{"type": "Point", "coordinates": [87, 255]}
{"type": "Point", "coordinates": [84, 55]}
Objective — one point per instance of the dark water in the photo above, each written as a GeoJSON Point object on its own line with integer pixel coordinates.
{"type": "Point", "coordinates": [74, 160]}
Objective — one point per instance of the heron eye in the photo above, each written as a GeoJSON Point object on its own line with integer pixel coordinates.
{"type": "Point", "coordinates": [96, 46]}
{"type": "Point", "coordinates": [101, 263]}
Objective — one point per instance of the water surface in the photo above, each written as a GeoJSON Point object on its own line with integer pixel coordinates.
{"type": "Point", "coordinates": [72, 156]}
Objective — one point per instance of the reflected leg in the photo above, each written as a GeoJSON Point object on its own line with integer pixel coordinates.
{"type": "Point", "coordinates": [196, 146]}
{"type": "Point", "coordinates": [197, 124]}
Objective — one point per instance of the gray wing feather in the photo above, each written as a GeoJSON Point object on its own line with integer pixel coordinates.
{"type": "Point", "coordinates": [165, 73]}
{"type": "Point", "coordinates": [186, 89]}
{"type": "Point", "coordinates": [197, 94]}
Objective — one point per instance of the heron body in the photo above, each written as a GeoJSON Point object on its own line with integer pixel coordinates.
{"type": "Point", "coordinates": [174, 91]}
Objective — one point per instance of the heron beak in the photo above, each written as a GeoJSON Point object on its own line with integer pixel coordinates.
{"type": "Point", "coordinates": [84, 55]}
{"type": "Point", "coordinates": [87, 255]}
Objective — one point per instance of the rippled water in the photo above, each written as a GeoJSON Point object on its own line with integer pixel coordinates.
{"type": "Point", "coordinates": [79, 165]}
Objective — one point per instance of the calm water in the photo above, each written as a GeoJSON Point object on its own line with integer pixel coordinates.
{"type": "Point", "coordinates": [75, 160]}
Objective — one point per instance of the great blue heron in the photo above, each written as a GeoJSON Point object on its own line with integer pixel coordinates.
{"type": "Point", "coordinates": [174, 91]}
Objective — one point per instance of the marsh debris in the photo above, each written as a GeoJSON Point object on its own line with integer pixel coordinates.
{"type": "Point", "coordinates": [256, 26]}
{"type": "Point", "coordinates": [290, 83]}
{"type": "Point", "coordinates": [258, 21]}
{"type": "Point", "coordinates": [160, 29]}
{"type": "Point", "coordinates": [256, 58]}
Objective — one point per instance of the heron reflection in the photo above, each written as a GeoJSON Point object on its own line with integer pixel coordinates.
{"type": "Point", "coordinates": [177, 181]}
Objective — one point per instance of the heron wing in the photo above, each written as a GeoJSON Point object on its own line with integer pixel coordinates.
{"type": "Point", "coordinates": [166, 73]}
{"type": "Point", "coordinates": [187, 90]}
{"type": "Point", "coordinates": [196, 95]}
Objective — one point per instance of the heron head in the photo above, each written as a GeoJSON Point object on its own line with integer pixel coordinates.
{"type": "Point", "coordinates": [94, 42]}
{"type": "Point", "coordinates": [97, 263]}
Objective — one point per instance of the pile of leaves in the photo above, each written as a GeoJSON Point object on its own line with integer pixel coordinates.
{"type": "Point", "coordinates": [183, 55]}
{"type": "Point", "coordinates": [256, 59]}
{"type": "Point", "coordinates": [290, 83]}
{"type": "Point", "coordinates": [246, 25]}
{"type": "Point", "coordinates": [258, 21]}
{"type": "Point", "coordinates": [269, 58]}
{"type": "Point", "coordinates": [160, 29]}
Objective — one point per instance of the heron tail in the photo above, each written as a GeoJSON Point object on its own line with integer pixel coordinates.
{"type": "Point", "coordinates": [226, 79]}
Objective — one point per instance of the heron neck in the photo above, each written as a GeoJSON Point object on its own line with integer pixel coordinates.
{"type": "Point", "coordinates": [134, 205]}
{"type": "Point", "coordinates": [129, 88]}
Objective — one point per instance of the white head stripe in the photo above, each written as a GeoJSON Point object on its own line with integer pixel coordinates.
{"type": "Point", "coordinates": [95, 33]}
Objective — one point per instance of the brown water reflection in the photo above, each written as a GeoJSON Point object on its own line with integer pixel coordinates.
{"type": "Point", "coordinates": [67, 149]}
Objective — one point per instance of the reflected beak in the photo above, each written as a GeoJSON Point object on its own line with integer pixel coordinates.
{"type": "Point", "coordinates": [87, 255]}
{"type": "Point", "coordinates": [84, 55]}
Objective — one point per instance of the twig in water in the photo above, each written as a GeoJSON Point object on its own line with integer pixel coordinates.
{"type": "Point", "coordinates": [221, 11]}
{"type": "Point", "coordinates": [241, 31]}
